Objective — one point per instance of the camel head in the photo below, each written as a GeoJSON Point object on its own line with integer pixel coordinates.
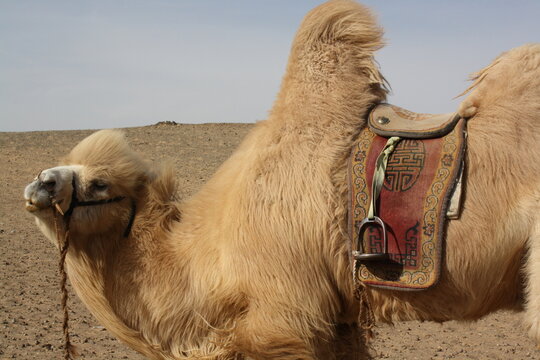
{"type": "Point", "coordinates": [97, 186]}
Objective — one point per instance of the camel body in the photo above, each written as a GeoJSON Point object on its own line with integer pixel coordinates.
{"type": "Point", "coordinates": [256, 264]}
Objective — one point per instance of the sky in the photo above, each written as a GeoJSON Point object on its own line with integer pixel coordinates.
{"type": "Point", "coordinates": [74, 64]}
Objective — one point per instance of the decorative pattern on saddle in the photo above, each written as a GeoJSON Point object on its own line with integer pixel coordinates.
{"type": "Point", "coordinates": [397, 238]}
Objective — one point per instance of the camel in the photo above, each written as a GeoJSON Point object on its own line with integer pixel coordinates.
{"type": "Point", "coordinates": [256, 264]}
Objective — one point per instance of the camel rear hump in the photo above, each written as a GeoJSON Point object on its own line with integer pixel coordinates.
{"type": "Point", "coordinates": [511, 81]}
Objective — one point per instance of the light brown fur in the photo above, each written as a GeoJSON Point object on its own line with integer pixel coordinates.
{"type": "Point", "coordinates": [256, 264]}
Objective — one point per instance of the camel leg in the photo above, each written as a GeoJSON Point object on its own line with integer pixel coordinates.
{"type": "Point", "coordinates": [532, 306]}
{"type": "Point", "coordinates": [349, 343]}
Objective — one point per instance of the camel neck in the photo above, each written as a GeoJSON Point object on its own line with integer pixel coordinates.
{"type": "Point", "coordinates": [134, 285]}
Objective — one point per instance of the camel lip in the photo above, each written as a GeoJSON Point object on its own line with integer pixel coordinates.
{"type": "Point", "coordinates": [31, 207]}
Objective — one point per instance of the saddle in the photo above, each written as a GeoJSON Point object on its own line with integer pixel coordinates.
{"type": "Point", "coordinates": [389, 120]}
{"type": "Point", "coordinates": [404, 183]}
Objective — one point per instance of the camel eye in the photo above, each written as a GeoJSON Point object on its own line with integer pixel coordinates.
{"type": "Point", "coordinates": [99, 185]}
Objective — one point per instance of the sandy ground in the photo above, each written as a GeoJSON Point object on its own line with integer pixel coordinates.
{"type": "Point", "coordinates": [30, 317]}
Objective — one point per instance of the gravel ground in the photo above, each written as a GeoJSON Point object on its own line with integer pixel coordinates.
{"type": "Point", "coordinates": [30, 316]}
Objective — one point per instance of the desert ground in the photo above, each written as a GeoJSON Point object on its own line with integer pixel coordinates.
{"type": "Point", "coordinates": [30, 316]}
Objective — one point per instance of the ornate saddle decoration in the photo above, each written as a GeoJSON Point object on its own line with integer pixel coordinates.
{"type": "Point", "coordinates": [405, 172]}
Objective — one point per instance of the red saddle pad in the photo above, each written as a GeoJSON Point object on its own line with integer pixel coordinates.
{"type": "Point", "coordinates": [420, 177]}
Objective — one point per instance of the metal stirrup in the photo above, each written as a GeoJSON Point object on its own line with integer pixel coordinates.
{"type": "Point", "coordinates": [372, 218]}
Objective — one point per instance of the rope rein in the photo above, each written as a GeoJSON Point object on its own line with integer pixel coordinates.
{"type": "Point", "coordinates": [70, 351]}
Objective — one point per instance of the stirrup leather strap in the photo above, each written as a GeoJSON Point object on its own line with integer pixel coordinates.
{"type": "Point", "coordinates": [379, 174]}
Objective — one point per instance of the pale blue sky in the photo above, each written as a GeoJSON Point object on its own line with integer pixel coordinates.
{"type": "Point", "coordinates": [73, 64]}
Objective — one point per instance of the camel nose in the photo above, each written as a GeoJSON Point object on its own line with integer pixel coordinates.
{"type": "Point", "coordinates": [38, 194]}
{"type": "Point", "coordinates": [51, 185]}
{"type": "Point", "coordinates": [49, 181]}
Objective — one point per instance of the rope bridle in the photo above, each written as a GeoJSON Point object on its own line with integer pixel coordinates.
{"type": "Point", "coordinates": [70, 351]}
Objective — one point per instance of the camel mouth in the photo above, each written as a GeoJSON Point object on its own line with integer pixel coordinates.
{"type": "Point", "coordinates": [31, 207]}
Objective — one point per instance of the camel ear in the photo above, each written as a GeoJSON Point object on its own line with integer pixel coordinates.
{"type": "Point", "coordinates": [164, 183]}
{"type": "Point", "coordinates": [143, 179]}
{"type": "Point", "coordinates": [146, 177]}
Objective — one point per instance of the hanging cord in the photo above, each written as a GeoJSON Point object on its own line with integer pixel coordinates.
{"type": "Point", "coordinates": [366, 318]}
{"type": "Point", "coordinates": [70, 351]}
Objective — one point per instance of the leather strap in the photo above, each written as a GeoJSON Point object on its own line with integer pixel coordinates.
{"type": "Point", "coordinates": [379, 174]}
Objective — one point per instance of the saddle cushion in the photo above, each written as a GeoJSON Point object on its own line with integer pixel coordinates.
{"type": "Point", "coordinates": [420, 178]}
{"type": "Point", "coordinates": [390, 120]}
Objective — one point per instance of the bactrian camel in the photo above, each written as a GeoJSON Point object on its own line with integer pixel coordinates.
{"type": "Point", "coordinates": [256, 264]}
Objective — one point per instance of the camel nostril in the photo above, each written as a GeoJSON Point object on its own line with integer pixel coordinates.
{"type": "Point", "coordinates": [49, 185]}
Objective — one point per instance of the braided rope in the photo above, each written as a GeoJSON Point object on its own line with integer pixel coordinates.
{"type": "Point", "coordinates": [70, 351]}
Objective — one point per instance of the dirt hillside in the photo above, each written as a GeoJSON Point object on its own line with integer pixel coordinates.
{"type": "Point", "coordinates": [30, 318]}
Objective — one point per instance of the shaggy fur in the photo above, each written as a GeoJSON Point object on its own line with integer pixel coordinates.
{"type": "Point", "coordinates": [256, 264]}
